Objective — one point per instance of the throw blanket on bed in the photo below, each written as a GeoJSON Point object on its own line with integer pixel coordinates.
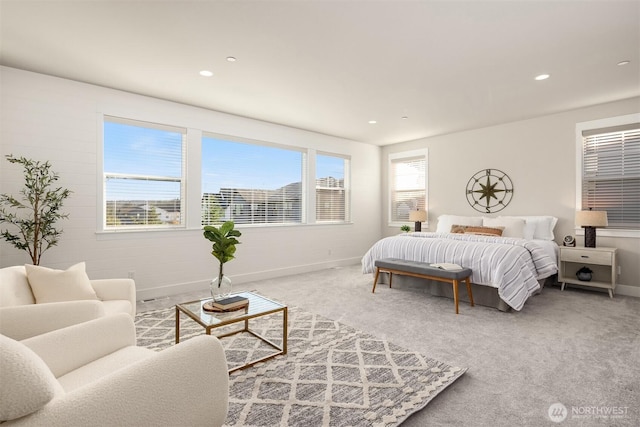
{"type": "Point", "coordinates": [512, 265]}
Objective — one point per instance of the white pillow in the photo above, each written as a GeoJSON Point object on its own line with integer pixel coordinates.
{"type": "Point", "coordinates": [446, 221]}
{"type": "Point", "coordinates": [513, 227]}
{"type": "Point", "coordinates": [529, 230]}
{"type": "Point", "coordinates": [544, 225]}
{"type": "Point", "coordinates": [27, 382]}
{"type": "Point", "coordinates": [49, 285]}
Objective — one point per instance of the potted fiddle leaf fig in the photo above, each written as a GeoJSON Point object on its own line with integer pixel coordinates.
{"type": "Point", "coordinates": [224, 240]}
{"type": "Point", "coordinates": [35, 214]}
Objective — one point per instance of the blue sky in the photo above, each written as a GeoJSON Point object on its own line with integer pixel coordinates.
{"type": "Point", "coordinates": [145, 151]}
{"type": "Point", "coordinates": [219, 160]}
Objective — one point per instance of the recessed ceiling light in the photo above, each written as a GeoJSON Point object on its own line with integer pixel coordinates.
{"type": "Point", "coordinates": [206, 73]}
{"type": "Point", "coordinates": [543, 77]}
{"type": "Point", "coordinates": [372, 122]}
{"type": "Point", "coordinates": [625, 62]}
{"type": "Point", "coordinates": [231, 58]}
{"type": "Point", "coordinates": [404, 117]}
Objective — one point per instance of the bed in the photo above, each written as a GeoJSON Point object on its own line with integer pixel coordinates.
{"type": "Point", "coordinates": [508, 268]}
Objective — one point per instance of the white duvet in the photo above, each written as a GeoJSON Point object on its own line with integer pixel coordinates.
{"type": "Point", "coordinates": [512, 265]}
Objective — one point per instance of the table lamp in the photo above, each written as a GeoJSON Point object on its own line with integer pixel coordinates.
{"type": "Point", "coordinates": [418, 217]}
{"type": "Point", "coordinates": [590, 220]}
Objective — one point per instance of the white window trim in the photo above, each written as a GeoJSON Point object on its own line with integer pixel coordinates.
{"type": "Point", "coordinates": [101, 183]}
{"type": "Point", "coordinates": [347, 186]}
{"type": "Point", "coordinates": [306, 183]}
{"type": "Point", "coordinates": [193, 184]}
{"type": "Point", "coordinates": [402, 155]}
{"type": "Point", "coordinates": [308, 179]}
{"type": "Point", "coordinates": [599, 124]}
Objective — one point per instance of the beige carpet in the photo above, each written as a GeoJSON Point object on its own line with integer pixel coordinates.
{"type": "Point", "coordinates": [578, 348]}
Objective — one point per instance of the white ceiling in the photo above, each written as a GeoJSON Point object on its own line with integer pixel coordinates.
{"type": "Point", "coordinates": [331, 66]}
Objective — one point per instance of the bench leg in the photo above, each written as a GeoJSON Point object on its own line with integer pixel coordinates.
{"type": "Point", "coordinates": [468, 280]}
{"type": "Point", "coordinates": [375, 280]}
{"type": "Point", "coordinates": [455, 294]}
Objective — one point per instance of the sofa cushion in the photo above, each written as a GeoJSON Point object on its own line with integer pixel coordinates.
{"type": "Point", "coordinates": [14, 287]}
{"type": "Point", "coordinates": [104, 366]}
{"type": "Point", "coordinates": [27, 382]}
{"type": "Point", "coordinates": [49, 285]}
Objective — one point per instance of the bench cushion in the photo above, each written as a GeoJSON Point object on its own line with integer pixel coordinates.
{"type": "Point", "coordinates": [417, 267]}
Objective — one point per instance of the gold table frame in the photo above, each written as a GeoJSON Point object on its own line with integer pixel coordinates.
{"type": "Point", "coordinates": [258, 306]}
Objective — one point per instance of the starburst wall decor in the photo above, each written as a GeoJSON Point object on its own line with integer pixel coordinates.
{"type": "Point", "coordinates": [489, 190]}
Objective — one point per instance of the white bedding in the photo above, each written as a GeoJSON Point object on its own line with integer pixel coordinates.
{"type": "Point", "coordinates": [511, 265]}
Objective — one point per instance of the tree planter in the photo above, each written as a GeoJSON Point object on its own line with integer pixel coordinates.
{"type": "Point", "coordinates": [223, 248]}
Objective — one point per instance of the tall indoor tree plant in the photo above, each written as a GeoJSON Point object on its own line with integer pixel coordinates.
{"type": "Point", "coordinates": [224, 240]}
{"type": "Point", "coordinates": [35, 214]}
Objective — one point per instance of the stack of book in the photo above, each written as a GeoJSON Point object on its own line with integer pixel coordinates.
{"type": "Point", "coordinates": [231, 303]}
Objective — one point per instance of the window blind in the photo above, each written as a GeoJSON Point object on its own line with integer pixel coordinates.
{"type": "Point", "coordinates": [332, 185]}
{"type": "Point", "coordinates": [408, 186]}
{"type": "Point", "coordinates": [611, 174]}
{"type": "Point", "coordinates": [251, 183]}
{"type": "Point", "coordinates": [143, 174]}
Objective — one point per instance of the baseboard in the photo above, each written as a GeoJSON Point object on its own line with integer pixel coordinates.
{"type": "Point", "coordinates": [200, 285]}
{"type": "Point", "coordinates": [630, 291]}
{"type": "Point", "coordinates": [168, 290]}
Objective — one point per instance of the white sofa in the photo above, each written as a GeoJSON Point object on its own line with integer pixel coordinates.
{"type": "Point", "coordinates": [21, 317]}
{"type": "Point", "coordinates": [92, 373]}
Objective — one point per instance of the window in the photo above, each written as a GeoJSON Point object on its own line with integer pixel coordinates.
{"type": "Point", "coordinates": [251, 183]}
{"type": "Point", "coordinates": [408, 184]}
{"type": "Point", "coordinates": [611, 173]}
{"type": "Point", "coordinates": [332, 188]}
{"type": "Point", "coordinates": [143, 174]}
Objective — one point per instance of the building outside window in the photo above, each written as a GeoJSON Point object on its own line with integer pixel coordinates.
{"type": "Point", "coordinates": [251, 182]}
{"type": "Point", "coordinates": [332, 188]}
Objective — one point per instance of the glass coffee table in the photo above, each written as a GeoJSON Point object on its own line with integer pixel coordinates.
{"type": "Point", "coordinates": [258, 306]}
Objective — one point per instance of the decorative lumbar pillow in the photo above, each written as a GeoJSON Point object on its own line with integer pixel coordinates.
{"type": "Point", "coordinates": [49, 285]}
{"type": "Point", "coordinates": [479, 230]}
{"type": "Point", "coordinates": [27, 383]}
{"type": "Point", "coordinates": [513, 227]}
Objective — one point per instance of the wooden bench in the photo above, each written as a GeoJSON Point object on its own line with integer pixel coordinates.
{"type": "Point", "coordinates": [425, 271]}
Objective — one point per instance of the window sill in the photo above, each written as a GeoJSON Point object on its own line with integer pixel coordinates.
{"type": "Point", "coordinates": [121, 233]}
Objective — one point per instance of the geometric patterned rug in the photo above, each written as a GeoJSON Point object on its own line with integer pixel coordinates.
{"type": "Point", "coordinates": [332, 374]}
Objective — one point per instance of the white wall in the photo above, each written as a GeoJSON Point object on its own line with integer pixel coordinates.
{"type": "Point", "coordinates": [47, 118]}
{"type": "Point", "coordinates": [538, 155]}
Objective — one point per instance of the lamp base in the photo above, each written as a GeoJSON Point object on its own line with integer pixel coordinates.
{"type": "Point", "coordinates": [418, 226]}
{"type": "Point", "coordinates": [589, 237]}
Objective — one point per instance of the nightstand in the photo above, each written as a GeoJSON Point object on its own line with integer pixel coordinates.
{"type": "Point", "coordinates": [601, 260]}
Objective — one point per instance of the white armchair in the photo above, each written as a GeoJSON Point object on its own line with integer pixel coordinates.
{"type": "Point", "coordinates": [21, 317]}
{"type": "Point", "coordinates": [93, 374]}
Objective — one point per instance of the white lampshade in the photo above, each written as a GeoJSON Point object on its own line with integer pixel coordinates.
{"type": "Point", "coordinates": [417, 216]}
{"type": "Point", "coordinates": [591, 219]}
